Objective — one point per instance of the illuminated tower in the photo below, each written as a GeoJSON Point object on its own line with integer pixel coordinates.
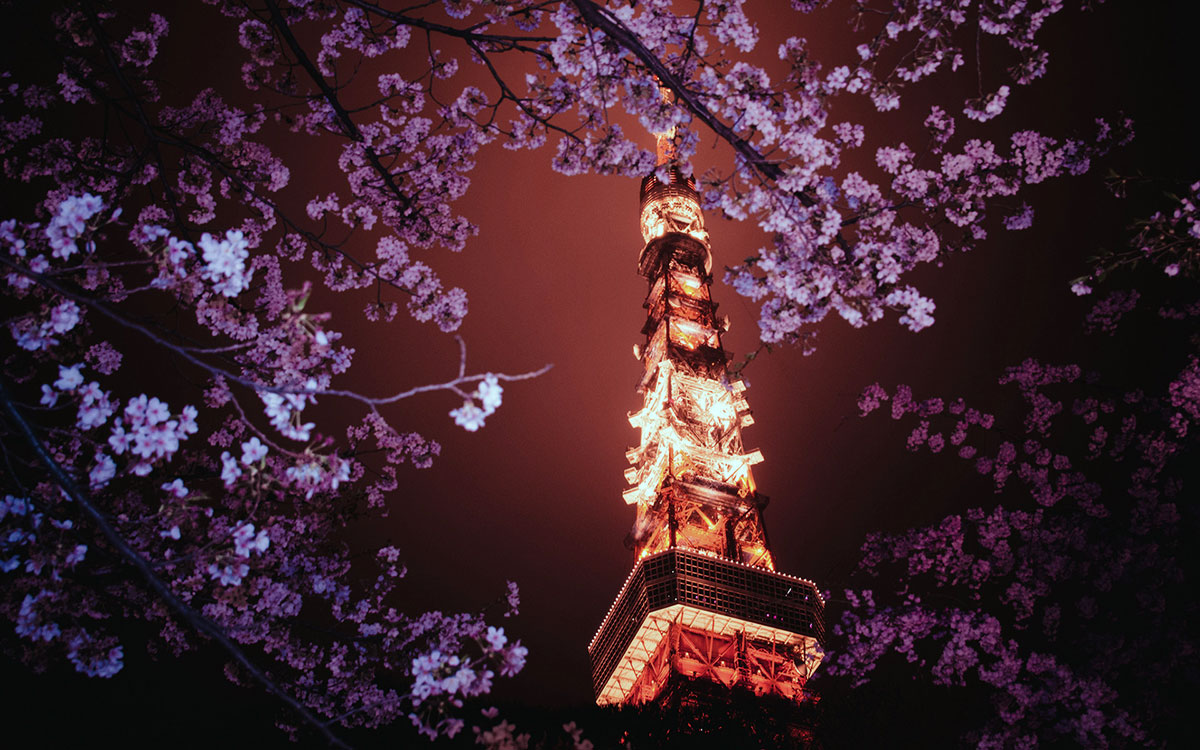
{"type": "Point", "coordinates": [703, 610]}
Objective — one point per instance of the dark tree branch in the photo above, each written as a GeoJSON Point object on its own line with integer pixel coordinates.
{"type": "Point", "coordinates": [131, 556]}
{"type": "Point", "coordinates": [331, 98]}
{"type": "Point", "coordinates": [502, 41]}
{"type": "Point", "coordinates": [595, 16]}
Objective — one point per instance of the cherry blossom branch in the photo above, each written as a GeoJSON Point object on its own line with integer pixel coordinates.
{"type": "Point", "coordinates": [504, 42]}
{"type": "Point", "coordinates": [159, 136]}
{"type": "Point", "coordinates": [186, 353]}
{"type": "Point", "coordinates": [139, 111]}
{"type": "Point", "coordinates": [198, 621]}
{"type": "Point", "coordinates": [597, 17]}
{"type": "Point", "coordinates": [506, 92]}
{"type": "Point", "coordinates": [214, 161]}
{"type": "Point", "coordinates": [330, 96]}
{"type": "Point", "coordinates": [450, 385]}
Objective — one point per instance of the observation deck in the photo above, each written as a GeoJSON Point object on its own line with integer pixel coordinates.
{"type": "Point", "coordinates": [780, 615]}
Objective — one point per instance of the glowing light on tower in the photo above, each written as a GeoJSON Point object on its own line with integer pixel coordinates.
{"type": "Point", "coordinates": [703, 601]}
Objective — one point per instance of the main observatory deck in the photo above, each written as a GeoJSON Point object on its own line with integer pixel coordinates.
{"type": "Point", "coordinates": [701, 592]}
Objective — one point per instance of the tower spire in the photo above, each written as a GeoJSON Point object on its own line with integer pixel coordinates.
{"type": "Point", "coordinates": [703, 601]}
{"type": "Point", "coordinates": [665, 141]}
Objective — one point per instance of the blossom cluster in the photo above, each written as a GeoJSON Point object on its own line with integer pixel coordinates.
{"type": "Point", "coordinates": [219, 483]}
{"type": "Point", "coordinates": [1166, 242]}
{"type": "Point", "coordinates": [841, 242]}
{"type": "Point", "coordinates": [1084, 548]}
{"type": "Point", "coordinates": [489, 394]}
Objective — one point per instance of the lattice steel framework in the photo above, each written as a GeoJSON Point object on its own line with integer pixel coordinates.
{"type": "Point", "coordinates": [703, 600]}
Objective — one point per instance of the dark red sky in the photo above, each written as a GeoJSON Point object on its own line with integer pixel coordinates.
{"type": "Point", "coordinates": [535, 496]}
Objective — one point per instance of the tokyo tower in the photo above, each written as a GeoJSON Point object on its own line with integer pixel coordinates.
{"type": "Point", "coordinates": [703, 611]}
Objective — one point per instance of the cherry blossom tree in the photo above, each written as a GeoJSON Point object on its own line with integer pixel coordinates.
{"type": "Point", "coordinates": [213, 511]}
{"type": "Point", "coordinates": [158, 220]}
{"type": "Point", "coordinates": [1068, 601]}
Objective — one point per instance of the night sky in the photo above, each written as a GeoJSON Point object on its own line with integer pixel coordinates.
{"type": "Point", "coordinates": [535, 496]}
